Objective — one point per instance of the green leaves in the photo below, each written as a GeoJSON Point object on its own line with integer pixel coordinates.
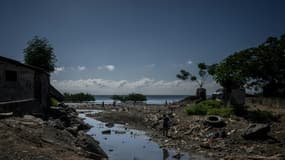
{"type": "Point", "coordinates": [203, 74]}
{"type": "Point", "coordinates": [131, 97]}
{"type": "Point", "coordinates": [40, 53]}
{"type": "Point", "coordinates": [78, 97]}
{"type": "Point", "coordinates": [261, 66]}
{"type": "Point", "coordinates": [183, 75]}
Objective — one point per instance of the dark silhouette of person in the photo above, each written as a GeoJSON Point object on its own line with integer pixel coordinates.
{"type": "Point", "coordinates": [165, 125]}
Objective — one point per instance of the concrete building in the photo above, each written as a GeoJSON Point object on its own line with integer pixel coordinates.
{"type": "Point", "coordinates": [24, 89]}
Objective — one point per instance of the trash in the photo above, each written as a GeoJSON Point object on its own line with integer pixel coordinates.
{"type": "Point", "coordinates": [231, 132]}
{"type": "Point", "coordinates": [205, 145]}
{"type": "Point", "coordinates": [215, 121]}
{"type": "Point", "coordinates": [219, 134]}
{"type": "Point", "coordinates": [6, 114]}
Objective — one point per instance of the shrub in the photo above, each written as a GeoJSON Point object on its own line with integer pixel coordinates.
{"type": "Point", "coordinates": [198, 110]}
{"type": "Point", "coordinates": [210, 107]}
{"type": "Point", "coordinates": [262, 116]}
{"type": "Point", "coordinates": [78, 97]}
{"type": "Point", "coordinates": [224, 112]}
{"type": "Point", "coordinates": [53, 102]}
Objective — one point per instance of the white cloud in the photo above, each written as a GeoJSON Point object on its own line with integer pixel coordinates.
{"type": "Point", "coordinates": [106, 67]}
{"type": "Point", "coordinates": [58, 69]}
{"type": "Point", "coordinates": [150, 66]}
{"type": "Point", "coordinates": [144, 85]}
{"type": "Point", "coordinates": [189, 62]}
{"type": "Point", "coordinates": [81, 68]}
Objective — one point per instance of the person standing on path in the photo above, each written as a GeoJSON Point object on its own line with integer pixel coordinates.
{"type": "Point", "coordinates": [165, 125]}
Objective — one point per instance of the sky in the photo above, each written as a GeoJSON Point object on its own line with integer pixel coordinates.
{"type": "Point", "coordinates": [124, 46]}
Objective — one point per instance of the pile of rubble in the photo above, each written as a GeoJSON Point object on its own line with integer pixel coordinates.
{"type": "Point", "coordinates": [61, 136]}
{"type": "Point", "coordinates": [228, 137]}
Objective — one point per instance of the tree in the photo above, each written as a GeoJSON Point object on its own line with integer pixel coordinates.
{"type": "Point", "coordinates": [184, 75]}
{"type": "Point", "coordinates": [121, 98]}
{"type": "Point", "coordinates": [203, 74]}
{"type": "Point", "coordinates": [40, 53]}
{"type": "Point", "coordinates": [136, 97]}
{"type": "Point", "coordinates": [258, 67]}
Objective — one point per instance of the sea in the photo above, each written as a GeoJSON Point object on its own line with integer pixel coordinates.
{"type": "Point", "coordinates": [151, 99]}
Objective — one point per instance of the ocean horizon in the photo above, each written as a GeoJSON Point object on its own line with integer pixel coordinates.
{"type": "Point", "coordinates": [151, 99]}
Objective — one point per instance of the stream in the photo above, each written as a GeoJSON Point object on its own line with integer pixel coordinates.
{"type": "Point", "coordinates": [121, 143]}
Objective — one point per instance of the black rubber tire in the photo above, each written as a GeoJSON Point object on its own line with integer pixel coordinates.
{"type": "Point", "coordinates": [214, 120]}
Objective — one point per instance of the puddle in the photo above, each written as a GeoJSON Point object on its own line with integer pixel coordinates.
{"type": "Point", "coordinates": [122, 143]}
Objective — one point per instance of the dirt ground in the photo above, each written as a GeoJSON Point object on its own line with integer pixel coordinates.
{"type": "Point", "coordinates": [190, 134]}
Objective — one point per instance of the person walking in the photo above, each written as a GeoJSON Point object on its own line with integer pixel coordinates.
{"type": "Point", "coordinates": [165, 125]}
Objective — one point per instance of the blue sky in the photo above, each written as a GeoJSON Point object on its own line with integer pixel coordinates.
{"type": "Point", "coordinates": [120, 46]}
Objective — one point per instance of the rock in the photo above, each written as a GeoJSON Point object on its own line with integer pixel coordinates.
{"type": "Point", "coordinates": [177, 155]}
{"type": "Point", "coordinates": [120, 132]}
{"type": "Point", "coordinates": [256, 131]}
{"type": "Point", "coordinates": [56, 124]}
{"type": "Point", "coordinates": [109, 125]}
{"type": "Point", "coordinates": [82, 125]}
{"type": "Point", "coordinates": [106, 132]}
{"type": "Point", "coordinates": [73, 130]}
{"type": "Point", "coordinates": [90, 144]}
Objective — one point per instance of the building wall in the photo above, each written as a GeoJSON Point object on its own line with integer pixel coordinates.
{"type": "Point", "coordinates": [20, 89]}
{"type": "Point", "coordinates": [42, 89]}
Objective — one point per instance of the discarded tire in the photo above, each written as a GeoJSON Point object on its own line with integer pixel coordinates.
{"type": "Point", "coordinates": [214, 120]}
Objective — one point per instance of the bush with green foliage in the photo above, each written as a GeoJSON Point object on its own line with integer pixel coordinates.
{"type": "Point", "coordinates": [262, 116]}
{"type": "Point", "coordinates": [135, 97]}
{"type": "Point", "coordinates": [210, 107]}
{"type": "Point", "coordinates": [224, 111]}
{"type": "Point", "coordinates": [78, 97]}
{"type": "Point", "coordinates": [53, 101]}
{"type": "Point", "coordinates": [122, 98]}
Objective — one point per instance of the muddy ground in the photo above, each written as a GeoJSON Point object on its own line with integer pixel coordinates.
{"type": "Point", "coordinates": [190, 134]}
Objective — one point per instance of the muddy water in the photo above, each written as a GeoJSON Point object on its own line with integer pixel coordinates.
{"type": "Point", "coordinates": [123, 143]}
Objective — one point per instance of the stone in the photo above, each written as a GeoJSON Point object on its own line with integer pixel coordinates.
{"type": "Point", "coordinates": [106, 132]}
{"type": "Point", "coordinates": [256, 131]}
{"type": "Point", "coordinates": [109, 125]}
{"type": "Point", "coordinates": [120, 132]}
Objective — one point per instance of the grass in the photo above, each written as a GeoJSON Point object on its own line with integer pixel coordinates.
{"type": "Point", "coordinates": [262, 116]}
{"type": "Point", "coordinates": [213, 107]}
{"type": "Point", "coordinates": [53, 102]}
{"type": "Point", "coordinates": [210, 107]}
